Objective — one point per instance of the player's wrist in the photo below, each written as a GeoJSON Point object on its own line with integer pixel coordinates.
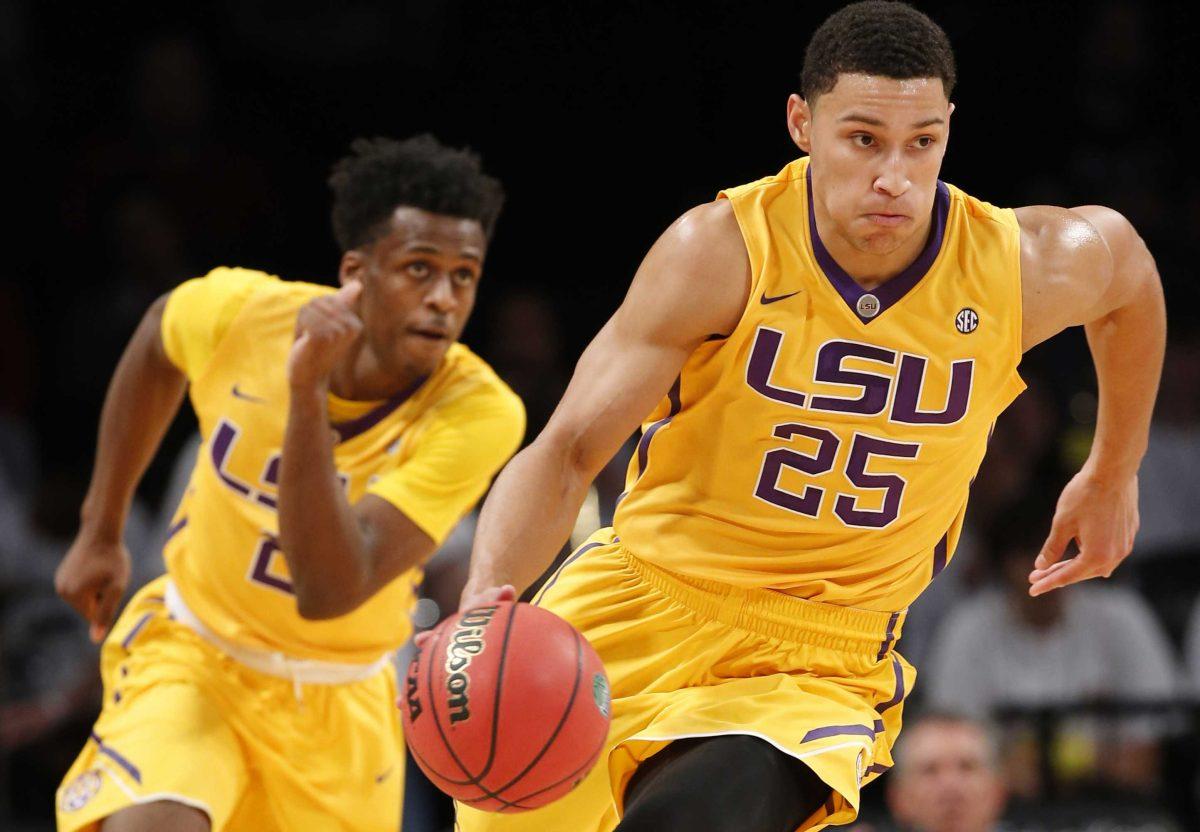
{"type": "Point", "coordinates": [101, 524]}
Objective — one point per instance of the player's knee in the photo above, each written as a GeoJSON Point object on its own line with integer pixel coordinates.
{"type": "Point", "coordinates": [161, 814]}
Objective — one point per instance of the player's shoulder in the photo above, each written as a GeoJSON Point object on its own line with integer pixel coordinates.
{"type": "Point", "coordinates": [980, 210]}
{"type": "Point", "coordinates": [465, 378]}
{"type": "Point", "coordinates": [1054, 237]}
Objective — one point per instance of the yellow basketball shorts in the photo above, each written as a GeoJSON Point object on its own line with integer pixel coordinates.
{"type": "Point", "coordinates": [183, 722]}
{"type": "Point", "coordinates": [691, 658]}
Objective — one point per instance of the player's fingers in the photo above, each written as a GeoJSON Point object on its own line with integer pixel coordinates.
{"type": "Point", "coordinates": [422, 638]}
{"type": "Point", "coordinates": [1056, 543]}
{"type": "Point", "coordinates": [1072, 571]}
{"type": "Point", "coordinates": [507, 593]}
{"type": "Point", "coordinates": [1037, 574]}
{"type": "Point", "coordinates": [105, 608]}
{"type": "Point", "coordinates": [349, 292]}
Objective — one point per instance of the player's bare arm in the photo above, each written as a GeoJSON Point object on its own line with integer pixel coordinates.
{"type": "Point", "coordinates": [1088, 266]}
{"type": "Point", "coordinates": [692, 284]}
{"type": "Point", "coordinates": [338, 555]}
{"type": "Point", "coordinates": [146, 390]}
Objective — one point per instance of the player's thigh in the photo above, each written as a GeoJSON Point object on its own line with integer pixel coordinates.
{"type": "Point", "coordinates": [166, 744]}
{"type": "Point", "coordinates": [157, 815]}
{"type": "Point", "coordinates": [735, 783]}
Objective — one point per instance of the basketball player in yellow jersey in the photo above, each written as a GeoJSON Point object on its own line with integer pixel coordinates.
{"type": "Point", "coordinates": [344, 435]}
{"type": "Point", "coordinates": [816, 359]}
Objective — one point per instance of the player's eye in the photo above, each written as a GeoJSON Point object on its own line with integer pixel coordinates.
{"type": "Point", "coordinates": [464, 277]}
{"type": "Point", "coordinates": [863, 139]}
{"type": "Point", "coordinates": [924, 141]}
{"type": "Point", "coordinates": [418, 269]}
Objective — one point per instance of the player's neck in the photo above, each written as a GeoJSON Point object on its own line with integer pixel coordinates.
{"type": "Point", "coordinates": [869, 270]}
{"type": "Point", "coordinates": [360, 377]}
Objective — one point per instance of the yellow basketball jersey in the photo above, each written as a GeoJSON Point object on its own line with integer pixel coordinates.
{"type": "Point", "coordinates": [826, 446]}
{"type": "Point", "coordinates": [431, 452]}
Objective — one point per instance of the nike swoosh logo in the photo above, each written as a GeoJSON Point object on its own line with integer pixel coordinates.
{"type": "Point", "coordinates": [238, 394]}
{"type": "Point", "coordinates": [766, 300]}
{"type": "Point", "coordinates": [381, 777]}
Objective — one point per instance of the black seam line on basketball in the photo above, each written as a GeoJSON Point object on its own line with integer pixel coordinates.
{"type": "Point", "coordinates": [586, 765]}
{"type": "Point", "coordinates": [567, 713]}
{"type": "Point", "coordinates": [472, 778]}
{"type": "Point", "coordinates": [561, 722]}
{"type": "Point", "coordinates": [491, 758]}
{"type": "Point", "coordinates": [437, 722]}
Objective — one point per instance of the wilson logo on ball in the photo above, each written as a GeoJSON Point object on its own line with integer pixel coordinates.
{"type": "Point", "coordinates": [465, 645]}
{"type": "Point", "coordinates": [411, 689]}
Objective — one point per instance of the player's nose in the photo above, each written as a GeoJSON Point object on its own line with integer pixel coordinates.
{"type": "Point", "coordinates": [892, 179]}
{"type": "Point", "coordinates": [441, 295]}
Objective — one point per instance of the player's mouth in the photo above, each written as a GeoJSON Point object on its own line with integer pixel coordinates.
{"type": "Point", "coordinates": [430, 333]}
{"type": "Point", "coordinates": [887, 220]}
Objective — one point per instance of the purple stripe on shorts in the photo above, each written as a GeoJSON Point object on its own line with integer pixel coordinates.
{"type": "Point", "coordinates": [175, 528]}
{"type": "Point", "coordinates": [137, 628]}
{"type": "Point", "coordinates": [554, 578]}
{"type": "Point", "coordinates": [939, 555]}
{"type": "Point", "coordinates": [108, 751]}
{"type": "Point", "coordinates": [839, 731]}
{"type": "Point", "coordinates": [643, 448]}
{"type": "Point", "coordinates": [888, 637]}
{"type": "Point", "coordinates": [898, 696]}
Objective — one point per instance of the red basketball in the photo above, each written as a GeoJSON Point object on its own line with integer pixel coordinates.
{"type": "Point", "coordinates": [506, 707]}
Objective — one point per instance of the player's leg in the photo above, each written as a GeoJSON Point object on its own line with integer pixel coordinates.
{"type": "Point", "coordinates": [163, 721]}
{"type": "Point", "coordinates": [161, 814]}
{"type": "Point", "coordinates": [721, 784]}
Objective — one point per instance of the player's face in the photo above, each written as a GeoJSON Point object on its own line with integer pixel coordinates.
{"type": "Point", "coordinates": [947, 783]}
{"type": "Point", "coordinates": [419, 283]}
{"type": "Point", "coordinates": [877, 146]}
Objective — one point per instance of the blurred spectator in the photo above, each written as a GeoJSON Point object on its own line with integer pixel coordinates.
{"type": "Point", "coordinates": [947, 776]}
{"type": "Point", "coordinates": [1169, 479]}
{"type": "Point", "coordinates": [1086, 643]}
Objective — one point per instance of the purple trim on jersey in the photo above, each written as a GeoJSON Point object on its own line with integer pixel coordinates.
{"type": "Point", "coordinates": [879, 727]}
{"type": "Point", "coordinates": [554, 578]}
{"type": "Point", "coordinates": [110, 752]}
{"type": "Point", "coordinates": [137, 628]}
{"type": "Point", "coordinates": [643, 448]}
{"type": "Point", "coordinates": [888, 636]}
{"type": "Point", "coordinates": [898, 696]}
{"type": "Point", "coordinates": [348, 430]}
{"type": "Point", "coordinates": [839, 731]}
{"type": "Point", "coordinates": [896, 288]}
{"type": "Point", "coordinates": [175, 528]}
{"type": "Point", "coordinates": [876, 768]}
{"type": "Point", "coordinates": [939, 555]}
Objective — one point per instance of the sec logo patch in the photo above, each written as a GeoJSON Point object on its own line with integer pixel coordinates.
{"type": "Point", "coordinates": [79, 792]}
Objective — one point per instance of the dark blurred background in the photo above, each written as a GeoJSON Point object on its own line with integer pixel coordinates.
{"type": "Point", "coordinates": [149, 143]}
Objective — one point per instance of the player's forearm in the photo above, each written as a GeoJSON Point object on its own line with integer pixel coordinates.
{"type": "Point", "coordinates": [142, 399]}
{"type": "Point", "coordinates": [318, 533]}
{"type": "Point", "coordinates": [528, 516]}
{"type": "Point", "coordinates": [1127, 347]}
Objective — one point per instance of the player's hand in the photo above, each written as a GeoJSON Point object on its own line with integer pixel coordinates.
{"type": "Point", "coordinates": [326, 328]}
{"type": "Point", "coordinates": [472, 598]}
{"type": "Point", "coordinates": [1101, 516]}
{"type": "Point", "coordinates": [92, 578]}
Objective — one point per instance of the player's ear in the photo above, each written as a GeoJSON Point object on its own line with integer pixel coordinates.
{"type": "Point", "coordinates": [799, 121]}
{"type": "Point", "coordinates": [352, 267]}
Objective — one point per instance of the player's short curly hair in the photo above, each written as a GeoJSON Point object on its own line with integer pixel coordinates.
{"type": "Point", "coordinates": [876, 37]}
{"type": "Point", "coordinates": [379, 175]}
